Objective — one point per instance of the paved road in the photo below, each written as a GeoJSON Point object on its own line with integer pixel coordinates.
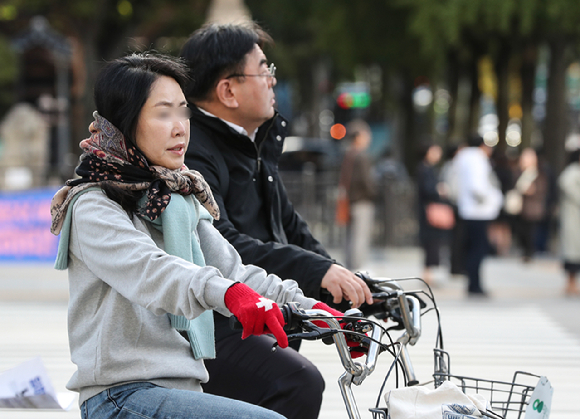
{"type": "Point", "coordinates": [527, 324]}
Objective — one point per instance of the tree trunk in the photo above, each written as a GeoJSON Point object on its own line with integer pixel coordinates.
{"type": "Point", "coordinates": [453, 86]}
{"type": "Point", "coordinates": [406, 135]}
{"type": "Point", "coordinates": [502, 102]}
{"type": "Point", "coordinates": [474, 98]}
{"type": "Point", "coordinates": [528, 75]}
{"type": "Point", "coordinates": [555, 126]}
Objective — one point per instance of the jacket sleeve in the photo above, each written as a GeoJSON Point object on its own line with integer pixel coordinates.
{"type": "Point", "coordinates": [295, 227]}
{"type": "Point", "coordinates": [288, 261]}
{"type": "Point", "coordinates": [220, 253]}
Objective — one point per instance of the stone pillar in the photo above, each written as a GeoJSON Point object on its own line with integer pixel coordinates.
{"type": "Point", "coordinates": [24, 135]}
{"type": "Point", "coordinates": [228, 11]}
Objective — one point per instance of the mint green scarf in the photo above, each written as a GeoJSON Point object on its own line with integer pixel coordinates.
{"type": "Point", "coordinates": [177, 223]}
{"type": "Point", "coordinates": [182, 211]}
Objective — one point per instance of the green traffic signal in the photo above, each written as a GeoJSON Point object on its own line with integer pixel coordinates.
{"type": "Point", "coordinates": [348, 100]}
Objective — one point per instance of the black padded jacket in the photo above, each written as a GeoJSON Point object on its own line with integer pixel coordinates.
{"type": "Point", "coordinates": [257, 217]}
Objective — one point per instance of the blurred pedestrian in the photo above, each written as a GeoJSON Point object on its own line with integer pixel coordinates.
{"type": "Point", "coordinates": [479, 200]}
{"type": "Point", "coordinates": [356, 178]}
{"type": "Point", "coordinates": [544, 227]}
{"type": "Point", "coordinates": [435, 215]}
{"type": "Point", "coordinates": [449, 181]}
{"type": "Point", "coordinates": [500, 229]}
{"type": "Point", "coordinates": [532, 185]}
{"type": "Point", "coordinates": [569, 186]}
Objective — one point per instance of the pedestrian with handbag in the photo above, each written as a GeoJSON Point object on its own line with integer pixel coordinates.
{"type": "Point", "coordinates": [435, 214]}
{"type": "Point", "coordinates": [527, 201]}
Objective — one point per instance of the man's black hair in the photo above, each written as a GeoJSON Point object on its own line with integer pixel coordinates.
{"type": "Point", "coordinates": [215, 51]}
{"type": "Point", "coordinates": [475, 140]}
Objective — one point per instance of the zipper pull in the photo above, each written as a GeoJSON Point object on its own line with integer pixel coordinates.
{"type": "Point", "coordinates": [259, 163]}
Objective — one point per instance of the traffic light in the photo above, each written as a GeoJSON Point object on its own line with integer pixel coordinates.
{"type": "Point", "coordinates": [348, 100]}
{"type": "Point", "coordinates": [353, 95]}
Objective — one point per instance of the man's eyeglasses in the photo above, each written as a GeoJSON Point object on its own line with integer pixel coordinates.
{"type": "Point", "coordinates": [270, 72]}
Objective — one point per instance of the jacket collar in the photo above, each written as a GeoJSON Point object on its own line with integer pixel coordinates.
{"type": "Point", "coordinates": [222, 132]}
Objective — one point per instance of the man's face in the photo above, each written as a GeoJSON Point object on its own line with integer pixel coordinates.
{"type": "Point", "coordinates": [255, 93]}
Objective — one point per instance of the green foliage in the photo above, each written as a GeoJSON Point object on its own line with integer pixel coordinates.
{"type": "Point", "coordinates": [9, 67]}
{"type": "Point", "coordinates": [563, 16]}
{"type": "Point", "coordinates": [442, 24]}
{"type": "Point", "coordinates": [111, 24]}
{"type": "Point", "coordinates": [349, 33]}
{"type": "Point", "coordinates": [8, 73]}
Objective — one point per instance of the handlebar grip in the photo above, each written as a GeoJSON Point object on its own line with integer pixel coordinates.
{"type": "Point", "coordinates": [288, 310]}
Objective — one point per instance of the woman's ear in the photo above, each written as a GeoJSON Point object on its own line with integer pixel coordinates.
{"type": "Point", "coordinates": [225, 93]}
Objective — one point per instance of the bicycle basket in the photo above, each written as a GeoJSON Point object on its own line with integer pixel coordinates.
{"type": "Point", "coordinates": [507, 399]}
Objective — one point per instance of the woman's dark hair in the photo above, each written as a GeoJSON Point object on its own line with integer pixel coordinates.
{"type": "Point", "coordinates": [574, 156]}
{"type": "Point", "coordinates": [121, 89]}
{"type": "Point", "coordinates": [474, 140]}
{"type": "Point", "coordinates": [451, 151]}
{"type": "Point", "coordinates": [123, 86]}
{"type": "Point", "coordinates": [423, 148]}
{"type": "Point", "coordinates": [215, 51]}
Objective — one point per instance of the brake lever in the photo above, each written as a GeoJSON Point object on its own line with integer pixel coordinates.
{"type": "Point", "coordinates": [422, 303]}
{"type": "Point", "coordinates": [316, 333]}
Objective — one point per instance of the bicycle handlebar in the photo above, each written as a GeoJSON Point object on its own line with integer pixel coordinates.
{"type": "Point", "coordinates": [404, 308]}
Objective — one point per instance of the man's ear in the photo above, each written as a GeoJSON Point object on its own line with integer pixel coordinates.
{"type": "Point", "coordinates": [225, 93]}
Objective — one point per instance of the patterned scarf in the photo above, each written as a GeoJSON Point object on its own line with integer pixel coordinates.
{"type": "Point", "coordinates": [109, 159]}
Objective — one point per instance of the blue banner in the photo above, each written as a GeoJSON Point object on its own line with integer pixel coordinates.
{"type": "Point", "coordinates": [25, 226]}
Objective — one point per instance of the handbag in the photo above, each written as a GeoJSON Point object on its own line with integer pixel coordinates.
{"type": "Point", "coordinates": [342, 217]}
{"type": "Point", "coordinates": [440, 215]}
{"type": "Point", "coordinates": [342, 210]}
{"type": "Point", "coordinates": [513, 202]}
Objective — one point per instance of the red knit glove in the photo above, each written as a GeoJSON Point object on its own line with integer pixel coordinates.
{"type": "Point", "coordinates": [258, 315]}
{"type": "Point", "coordinates": [321, 306]}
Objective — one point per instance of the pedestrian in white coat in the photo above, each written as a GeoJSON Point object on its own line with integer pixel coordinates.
{"type": "Point", "coordinates": [479, 200]}
{"type": "Point", "coordinates": [569, 184]}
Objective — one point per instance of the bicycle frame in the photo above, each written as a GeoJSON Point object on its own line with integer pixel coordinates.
{"type": "Point", "coordinates": [355, 372]}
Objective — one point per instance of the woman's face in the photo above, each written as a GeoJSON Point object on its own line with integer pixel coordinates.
{"type": "Point", "coordinates": [162, 132]}
{"type": "Point", "coordinates": [528, 159]}
{"type": "Point", "coordinates": [434, 154]}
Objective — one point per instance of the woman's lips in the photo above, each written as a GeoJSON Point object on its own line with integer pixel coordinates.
{"type": "Point", "coordinates": [179, 150]}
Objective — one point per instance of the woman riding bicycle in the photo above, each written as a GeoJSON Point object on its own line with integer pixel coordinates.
{"type": "Point", "coordinates": [146, 266]}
